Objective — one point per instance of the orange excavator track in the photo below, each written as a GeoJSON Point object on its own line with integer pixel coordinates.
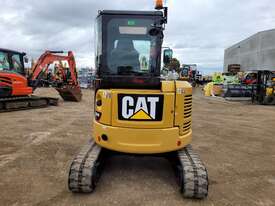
{"type": "Point", "coordinates": [26, 102]}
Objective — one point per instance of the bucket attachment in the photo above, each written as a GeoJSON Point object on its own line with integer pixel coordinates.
{"type": "Point", "coordinates": [70, 93]}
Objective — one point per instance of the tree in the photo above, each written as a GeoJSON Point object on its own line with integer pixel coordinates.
{"type": "Point", "coordinates": [174, 64]}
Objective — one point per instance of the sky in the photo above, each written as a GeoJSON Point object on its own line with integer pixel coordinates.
{"type": "Point", "coordinates": [197, 30]}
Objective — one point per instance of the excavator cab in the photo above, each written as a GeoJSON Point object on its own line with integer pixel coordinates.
{"type": "Point", "coordinates": [12, 61]}
{"type": "Point", "coordinates": [128, 49]}
{"type": "Point", "coordinates": [12, 70]}
{"type": "Point", "coordinates": [135, 110]}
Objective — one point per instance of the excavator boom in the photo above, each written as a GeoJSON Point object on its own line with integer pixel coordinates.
{"type": "Point", "coordinates": [68, 88]}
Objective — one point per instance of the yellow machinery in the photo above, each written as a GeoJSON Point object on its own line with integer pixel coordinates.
{"type": "Point", "coordinates": [264, 89]}
{"type": "Point", "coordinates": [135, 110]}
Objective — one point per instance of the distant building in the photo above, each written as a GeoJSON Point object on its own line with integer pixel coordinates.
{"type": "Point", "coordinates": [85, 77]}
{"type": "Point", "coordinates": [254, 53]}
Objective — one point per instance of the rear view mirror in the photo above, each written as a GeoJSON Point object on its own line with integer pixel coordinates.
{"type": "Point", "coordinates": [154, 31]}
{"type": "Point", "coordinates": [26, 60]}
{"type": "Point", "coordinates": [167, 56]}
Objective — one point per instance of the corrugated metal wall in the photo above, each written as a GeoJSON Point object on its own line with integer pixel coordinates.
{"type": "Point", "coordinates": [254, 53]}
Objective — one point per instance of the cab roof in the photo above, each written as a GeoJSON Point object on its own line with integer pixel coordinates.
{"type": "Point", "coordinates": [11, 51]}
{"type": "Point", "coordinates": [126, 12]}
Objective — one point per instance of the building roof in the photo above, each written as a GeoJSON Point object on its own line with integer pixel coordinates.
{"type": "Point", "coordinates": [11, 51]}
{"type": "Point", "coordinates": [250, 37]}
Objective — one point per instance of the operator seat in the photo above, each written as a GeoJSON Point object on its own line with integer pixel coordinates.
{"type": "Point", "coordinates": [124, 55]}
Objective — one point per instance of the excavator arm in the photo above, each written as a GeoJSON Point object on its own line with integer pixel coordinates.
{"type": "Point", "coordinates": [68, 88]}
{"type": "Point", "coordinates": [49, 57]}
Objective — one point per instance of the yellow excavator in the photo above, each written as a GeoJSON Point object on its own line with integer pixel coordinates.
{"type": "Point", "coordinates": [135, 110]}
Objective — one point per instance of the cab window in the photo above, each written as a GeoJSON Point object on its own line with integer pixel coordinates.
{"type": "Point", "coordinates": [131, 50]}
{"type": "Point", "coordinates": [17, 65]}
{"type": "Point", "coordinates": [4, 63]}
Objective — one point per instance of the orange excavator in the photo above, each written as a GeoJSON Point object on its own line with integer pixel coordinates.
{"type": "Point", "coordinates": [17, 85]}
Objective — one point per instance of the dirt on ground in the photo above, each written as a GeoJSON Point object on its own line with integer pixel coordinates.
{"type": "Point", "coordinates": [235, 140]}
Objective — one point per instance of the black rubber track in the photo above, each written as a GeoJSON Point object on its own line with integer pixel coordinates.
{"type": "Point", "coordinates": [27, 102]}
{"type": "Point", "coordinates": [85, 169]}
{"type": "Point", "coordinates": [193, 174]}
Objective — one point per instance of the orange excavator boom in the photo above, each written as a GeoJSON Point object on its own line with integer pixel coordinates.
{"type": "Point", "coordinates": [69, 89]}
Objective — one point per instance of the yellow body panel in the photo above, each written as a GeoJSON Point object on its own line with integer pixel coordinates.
{"type": "Point", "coordinates": [168, 86]}
{"type": "Point", "coordinates": [105, 97]}
{"type": "Point", "coordinates": [140, 141]}
{"type": "Point", "coordinates": [170, 133]}
{"type": "Point", "coordinates": [184, 78]}
{"type": "Point", "coordinates": [183, 106]}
